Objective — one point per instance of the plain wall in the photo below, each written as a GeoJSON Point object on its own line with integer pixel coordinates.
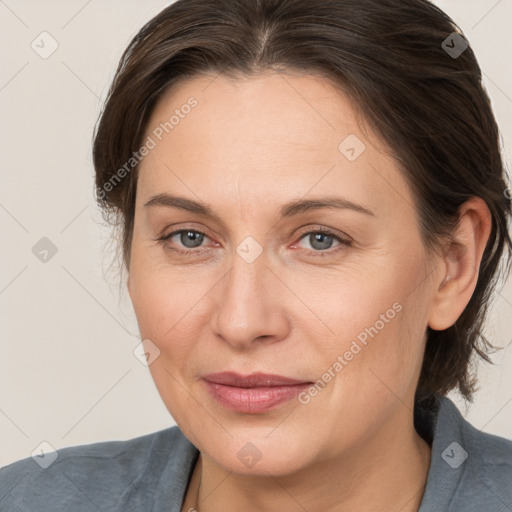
{"type": "Point", "coordinates": [68, 375]}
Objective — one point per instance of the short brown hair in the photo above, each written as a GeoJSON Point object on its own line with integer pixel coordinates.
{"type": "Point", "coordinates": [390, 58]}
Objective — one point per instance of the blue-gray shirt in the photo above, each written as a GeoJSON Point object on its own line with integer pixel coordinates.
{"type": "Point", "coordinates": [470, 471]}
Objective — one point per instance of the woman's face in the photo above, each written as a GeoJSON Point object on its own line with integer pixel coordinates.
{"type": "Point", "coordinates": [257, 288]}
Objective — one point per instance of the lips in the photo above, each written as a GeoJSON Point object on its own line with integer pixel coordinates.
{"type": "Point", "coordinates": [252, 380]}
{"type": "Point", "coordinates": [253, 394]}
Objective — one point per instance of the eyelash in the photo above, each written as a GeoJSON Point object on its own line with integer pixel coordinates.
{"type": "Point", "coordinates": [344, 243]}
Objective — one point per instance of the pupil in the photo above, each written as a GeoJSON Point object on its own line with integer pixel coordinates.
{"type": "Point", "coordinates": [318, 238]}
{"type": "Point", "coordinates": [190, 236]}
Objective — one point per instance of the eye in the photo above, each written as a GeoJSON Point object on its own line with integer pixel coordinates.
{"type": "Point", "coordinates": [188, 238]}
{"type": "Point", "coordinates": [321, 241]}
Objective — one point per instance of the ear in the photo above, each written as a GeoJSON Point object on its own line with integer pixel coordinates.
{"type": "Point", "coordinates": [459, 266]}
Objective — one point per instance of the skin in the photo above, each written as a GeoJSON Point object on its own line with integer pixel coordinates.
{"type": "Point", "coordinates": [251, 145]}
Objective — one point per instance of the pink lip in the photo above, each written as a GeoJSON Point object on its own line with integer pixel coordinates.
{"type": "Point", "coordinates": [253, 393]}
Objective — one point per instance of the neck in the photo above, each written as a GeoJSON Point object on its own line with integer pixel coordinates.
{"type": "Point", "coordinates": [387, 473]}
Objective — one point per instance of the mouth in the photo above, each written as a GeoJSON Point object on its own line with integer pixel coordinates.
{"type": "Point", "coordinates": [255, 393]}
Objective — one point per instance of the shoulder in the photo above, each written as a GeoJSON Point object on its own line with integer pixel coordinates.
{"type": "Point", "coordinates": [489, 467]}
{"type": "Point", "coordinates": [470, 470]}
{"type": "Point", "coordinates": [99, 474]}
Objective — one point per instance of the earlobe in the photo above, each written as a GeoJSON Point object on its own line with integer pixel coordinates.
{"type": "Point", "coordinates": [460, 264]}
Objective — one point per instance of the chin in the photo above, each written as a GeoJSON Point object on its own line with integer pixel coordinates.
{"type": "Point", "coordinates": [256, 453]}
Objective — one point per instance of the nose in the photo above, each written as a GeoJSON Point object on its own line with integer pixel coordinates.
{"type": "Point", "coordinates": [250, 306]}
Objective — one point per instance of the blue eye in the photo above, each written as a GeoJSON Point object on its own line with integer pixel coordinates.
{"type": "Point", "coordinates": [188, 236]}
{"type": "Point", "coordinates": [320, 240]}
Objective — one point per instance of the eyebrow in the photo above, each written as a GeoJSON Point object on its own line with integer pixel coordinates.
{"type": "Point", "coordinates": [289, 209]}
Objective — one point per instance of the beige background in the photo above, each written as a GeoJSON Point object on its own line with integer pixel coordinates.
{"type": "Point", "coordinates": [67, 371]}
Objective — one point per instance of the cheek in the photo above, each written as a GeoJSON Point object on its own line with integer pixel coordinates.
{"type": "Point", "coordinates": [379, 323]}
{"type": "Point", "coordinates": [166, 315]}
{"type": "Point", "coordinates": [165, 304]}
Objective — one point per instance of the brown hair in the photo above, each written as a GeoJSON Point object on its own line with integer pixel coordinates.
{"type": "Point", "coordinates": [391, 58]}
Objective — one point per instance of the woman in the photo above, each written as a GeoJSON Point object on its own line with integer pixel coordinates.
{"type": "Point", "coordinates": [312, 209]}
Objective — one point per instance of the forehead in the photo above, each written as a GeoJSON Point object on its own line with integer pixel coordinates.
{"type": "Point", "coordinates": [270, 108]}
{"type": "Point", "coordinates": [267, 134]}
